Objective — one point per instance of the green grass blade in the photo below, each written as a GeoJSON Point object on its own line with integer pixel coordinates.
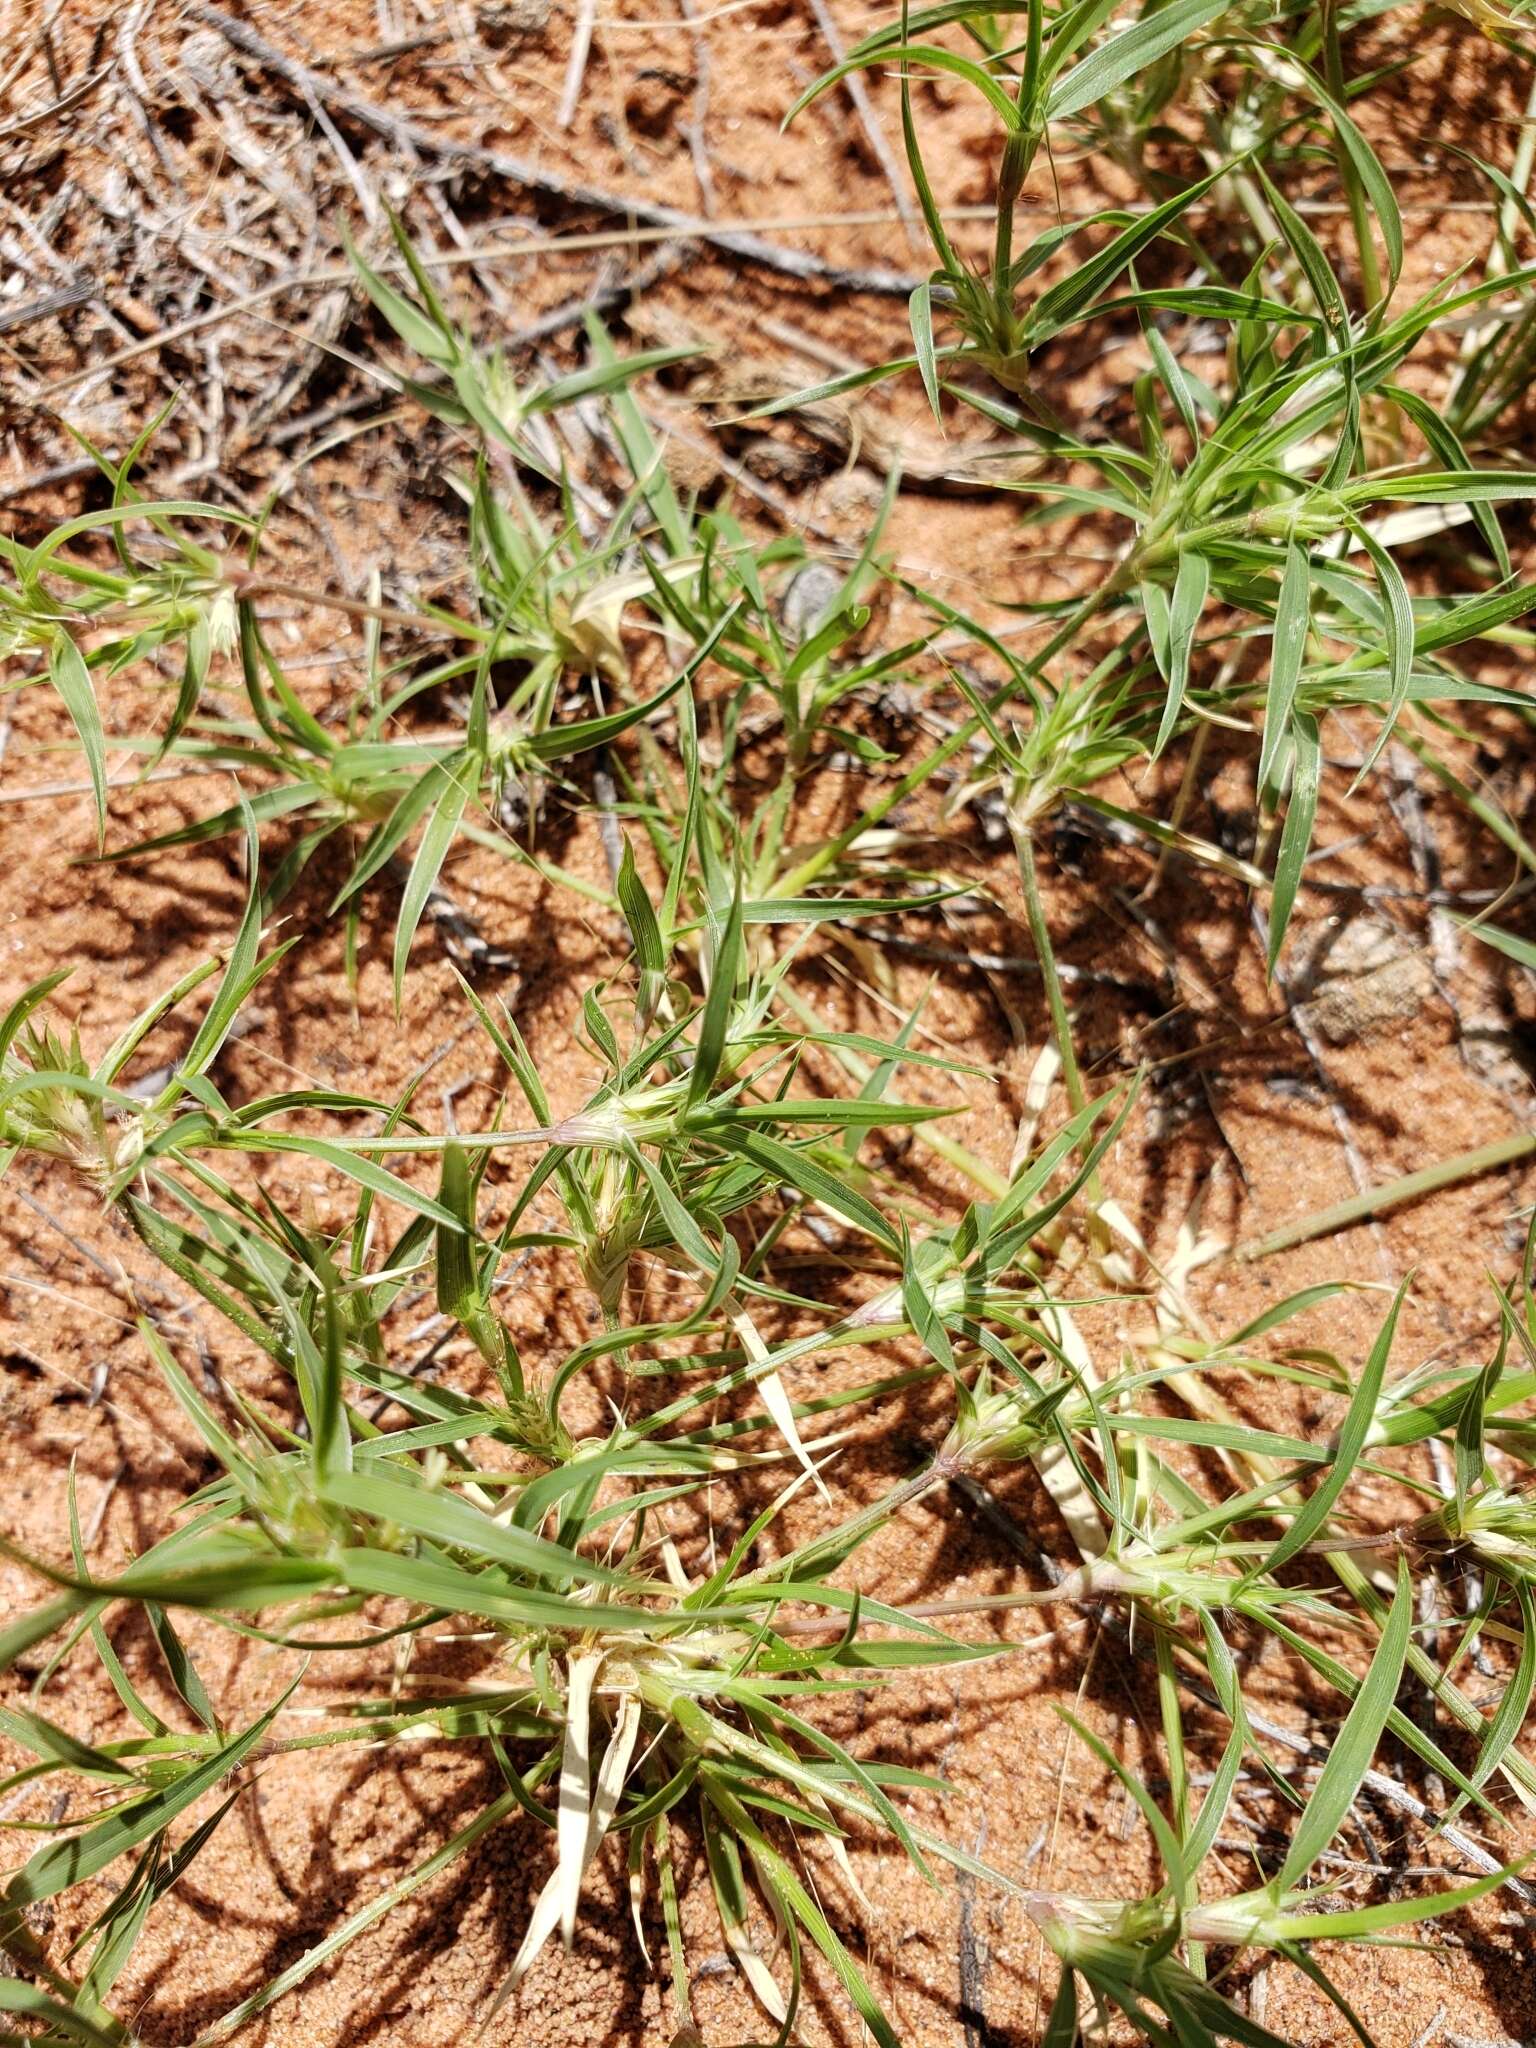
{"type": "Point", "coordinates": [1350, 1756]}
{"type": "Point", "coordinates": [1309, 1520]}
{"type": "Point", "coordinates": [69, 675]}
{"type": "Point", "coordinates": [920, 315]}
{"type": "Point", "coordinates": [237, 980]}
{"type": "Point", "coordinates": [1134, 49]}
{"type": "Point", "coordinates": [1190, 589]}
{"type": "Point", "coordinates": [1288, 643]}
{"type": "Point", "coordinates": [61, 1864]}
{"type": "Point", "coordinates": [431, 852]}
{"type": "Point", "coordinates": [1296, 833]}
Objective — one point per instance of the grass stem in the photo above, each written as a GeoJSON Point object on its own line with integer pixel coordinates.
{"type": "Point", "coordinates": [1372, 1201]}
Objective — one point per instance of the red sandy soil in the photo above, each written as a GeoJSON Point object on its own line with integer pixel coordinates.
{"type": "Point", "coordinates": [222, 186]}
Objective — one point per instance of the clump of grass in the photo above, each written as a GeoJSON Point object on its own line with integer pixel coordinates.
{"type": "Point", "coordinates": [635, 1692]}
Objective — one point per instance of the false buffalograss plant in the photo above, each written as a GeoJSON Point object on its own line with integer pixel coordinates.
{"type": "Point", "coordinates": [1248, 510]}
{"type": "Point", "coordinates": [627, 1697]}
{"type": "Point", "coordinates": [636, 1688]}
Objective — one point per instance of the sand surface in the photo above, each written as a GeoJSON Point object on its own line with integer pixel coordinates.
{"type": "Point", "coordinates": [192, 177]}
